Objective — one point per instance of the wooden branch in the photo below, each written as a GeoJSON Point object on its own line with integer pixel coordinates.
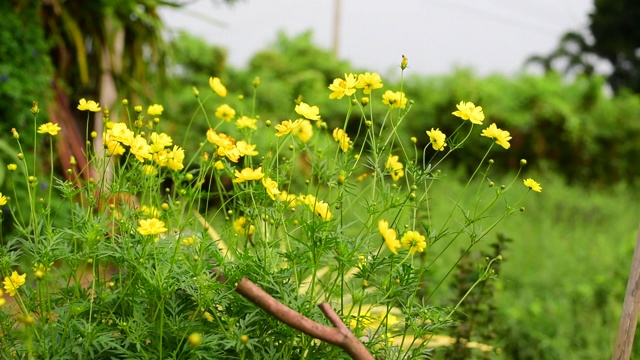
{"type": "Point", "coordinates": [630, 309]}
{"type": "Point", "coordinates": [338, 335]}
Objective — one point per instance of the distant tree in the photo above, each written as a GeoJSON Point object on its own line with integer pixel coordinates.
{"type": "Point", "coordinates": [613, 36]}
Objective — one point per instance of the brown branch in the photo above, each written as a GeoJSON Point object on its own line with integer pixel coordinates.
{"type": "Point", "coordinates": [630, 310]}
{"type": "Point", "coordinates": [338, 335]}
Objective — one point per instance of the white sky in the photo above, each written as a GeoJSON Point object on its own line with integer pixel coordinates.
{"type": "Point", "coordinates": [435, 35]}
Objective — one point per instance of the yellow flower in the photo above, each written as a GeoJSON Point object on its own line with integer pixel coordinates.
{"type": "Point", "coordinates": [246, 122]}
{"type": "Point", "coordinates": [13, 282]}
{"type": "Point", "coordinates": [159, 141]}
{"type": "Point", "coordinates": [248, 174]}
{"type": "Point", "coordinates": [390, 236]}
{"type": "Point", "coordinates": [533, 185]}
{"type": "Point", "coordinates": [309, 112]}
{"type": "Point", "coordinates": [113, 147]}
{"type": "Point", "coordinates": [287, 126]}
{"type": "Point", "coordinates": [12, 167]}
{"type": "Point", "coordinates": [271, 186]}
{"type": "Point", "coordinates": [289, 199]}
{"type": "Point", "coordinates": [395, 99]}
{"type": "Point", "coordinates": [155, 109]}
{"type": "Point", "coordinates": [413, 241]}
{"type": "Point", "coordinates": [151, 227]}
{"type": "Point", "coordinates": [49, 128]}
{"type": "Point", "coordinates": [149, 170]}
{"type": "Point", "coordinates": [226, 145]}
{"type": "Point", "coordinates": [246, 149]}
{"type": "Point", "coordinates": [437, 139]}
{"type": "Point", "coordinates": [88, 105]}
{"type": "Point", "coordinates": [342, 87]}
{"type": "Point", "coordinates": [394, 167]}
{"type": "Point", "coordinates": [242, 227]}
{"type": "Point", "coordinates": [341, 137]}
{"type": "Point", "coordinates": [468, 111]}
{"type": "Point", "coordinates": [175, 158]}
{"type": "Point", "coordinates": [120, 133]}
{"type": "Point", "coordinates": [218, 165]}
{"type": "Point", "coordinates": [369, 82]}
{"type": "Point", "coordinates": [3, 200]}
{"type": "Point", "coordinates": [502, 137]}
{"type": "Point", "coordinates": [225, 112]}
{"type": "Point", "coordinates": [140, 148]}
{"type": "Point", "coordinates": [217, 87]}
{"type": "Point", "coordinates": [304, 131]}
{"type": "Point", "coordinates": [319, 207]}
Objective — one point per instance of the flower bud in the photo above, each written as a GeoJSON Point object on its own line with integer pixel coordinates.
{"type": "Point", "coordinates": [404, 62]}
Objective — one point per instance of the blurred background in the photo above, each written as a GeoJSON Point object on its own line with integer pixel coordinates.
{"type": "Point", "coordinates": [562, 77]}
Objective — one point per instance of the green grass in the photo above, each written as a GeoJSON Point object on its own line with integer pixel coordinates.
{"type": "Point", "coordinates": [563, 278]}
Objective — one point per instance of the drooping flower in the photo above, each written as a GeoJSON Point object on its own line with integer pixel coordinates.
{"type": "Point", "coordinates": [225, 112]}
{"type": "Point", "coordinates": [271, 186]}
{"type": "Point", "coordinates": [248, 174]}
{"type": "Point", "coordinates": [90, 105]}
{"type": "Point", "coordinates": [13, 282]}
{"type": "Point", "coordinates": [533, 185]}
{"type": "Point", "coordinates": [394, 167]}
{"type": "Point", "coordinates": [341, 87]}
{"type": "Point", "coordinates": [287, 126]}
{"type": "Point", "coordinates": [151, 226]}
{"type": "Point", "coordinates": [395, 99]}
{"type": "Point", "coordinates": [437, 139]}
{"type": "Point", "coordinates": [3, 200]}
{"type": "Point", "coordinates": [217, 87]}
{"type": "Point", "coordinates": [389, 235]}
{"type": "Point", "coordinates": [49, 128]}
{"type": "Point", "coordinates": [368, 82]}
{"type": "Point", "coordinates": [342, 138]}
{"type": "Point", "coordinates": [246, 122]}
{"type": "Point", "coordinates": [502, 137]}
{"type": "Point", "coordinates": [242, 227]}
{"type": "Point", "coordinates": [413, 241]}
{"type": "Point", "coordinates": [304, 131]}
{"type": "Point", "coordinates": [155, 109]}
{"type": "Point", "coordinates": [468, 111]}
{"type": "Point", "coordinates": [246, 149]}
{"type": "Point", "coordinates": [140, 148]}
{"type": "Point", "coordinates": [309, 112]}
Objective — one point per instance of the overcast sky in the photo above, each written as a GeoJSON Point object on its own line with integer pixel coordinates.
{"type": "Point", "coordinates": [435, 35]}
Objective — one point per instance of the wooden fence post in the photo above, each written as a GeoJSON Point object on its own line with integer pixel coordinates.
{"type": "Point", "coordinates": [630, 310]}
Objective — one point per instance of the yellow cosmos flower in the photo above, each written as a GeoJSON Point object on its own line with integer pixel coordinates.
{"type": "Point", "coordinates": [90, 105]}
{"type": "Point", "coordinates": [175, 158]}
{"type": "Point", "coordinates": [225, 112]}
{"type": "Point", "coordinates": [113, 147]}
{"type": "Point", "coordinates": [413, 241]}
{"type": "Point", "coordinates": [309, 112]}
{"type": "Point", "coordinates": [12, 167]}
{"type": "Point", "coordinates": [242, 227]}
{"type": "Point", "coordinates": [468, 111]}
{"type": "Point", "coordinates": [13, 282]}
{"type": "Point", "coordinates": [140, 148]}
{"type": "Point", "coordinates": [155, 109]}
{"type": "Point", "coordinates": [246, 149]}
{"type": "Point", "coordinates": [151, 227]}
{"type": "Point", "coordinates": [342, 138]}
{"type": "Point", "coordinates": [304, 131]}
{"type": "Point", "coordinates": [533, 185]}
{"type": "Point", "coordinates": [159, 141]}
{"type": "Point", "coordinates": [218, 165]}
{"type": "Point", "coordinates": [369, 82]}
{"type": "Point", "coordinates": [49, 128]}
{"type": "Point", "coordinates": [394, 167]}
{"type": "Point", "coordinates": [120, 133]}
{"type": "Point", "coordinates": [342, 87]}
{"type": "Point", "coordinates": [271, 186]}
{"type": "Point", "coordinates": [287, 126]}
{"type": "Point", "coordinates": [217, 87]}
{"type": "Point", "coordinates": [395, 99]}
{"type": "Point", "coordinates": [437, 139]}
{"type": "Point", "coordinates": [3, 200]}
{"type": "Point", "coordinates": [289, 199]}
{"type": "Point", "coordinates": [246, 122]}
{"type": "Point", "coordinates": [319, 207]}
{"type": "Point", "coordinates": [502, 137]}
{"type": "Point", "coordinates": [248, 174]}
{"type": "Point", "coordinates": [226, 145]}
{"type": "Point", "coordinates": [389, 235]}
